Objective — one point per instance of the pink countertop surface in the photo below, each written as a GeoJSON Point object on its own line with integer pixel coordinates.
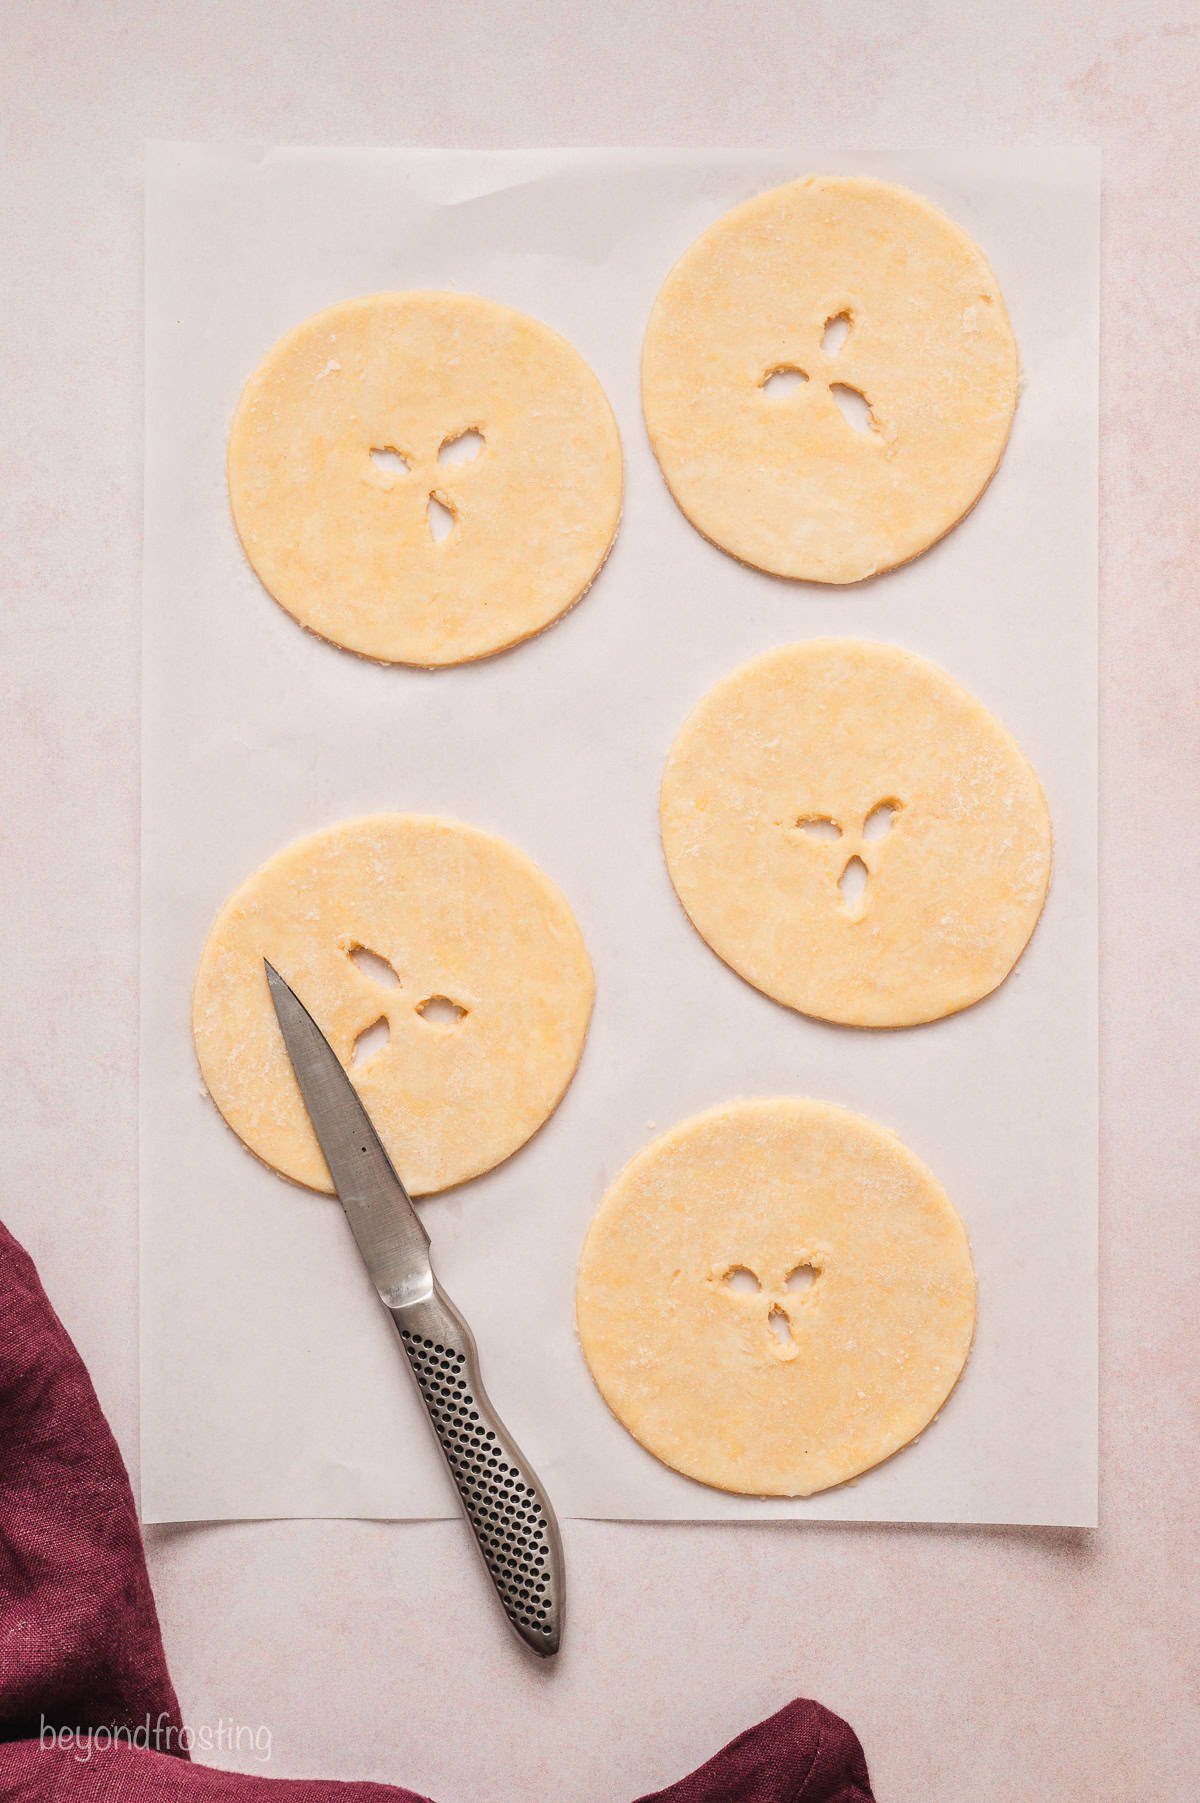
{"type": "Point", "coordinates": [978, 1665]}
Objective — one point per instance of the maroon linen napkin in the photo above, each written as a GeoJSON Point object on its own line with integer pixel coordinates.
{"type": "Point", "coordinates": [87, 1708]}
{"type": "Point", "coordinates": [804, 1754]}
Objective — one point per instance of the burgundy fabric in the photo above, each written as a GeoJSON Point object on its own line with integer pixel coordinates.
{"type": "Point", "coordinates": [79, 1639]}
{"type": "Point", "coordinates": [805, 1754]}
{"type": "Point", "coordinates": [86, 1701]}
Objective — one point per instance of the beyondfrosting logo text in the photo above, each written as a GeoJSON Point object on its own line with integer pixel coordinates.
{"type": "Point", "coordinates": [161, 1735]}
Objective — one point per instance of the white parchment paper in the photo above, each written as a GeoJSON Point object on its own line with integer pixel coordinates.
{"type": "Point", "coordinates": [271, 1381]}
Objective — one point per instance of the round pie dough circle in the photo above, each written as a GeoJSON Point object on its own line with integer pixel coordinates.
{"type": "Point", "coordinates": [342, 538]}
{"type": "Point", "coordinates": [782, 480]}
{"type": "Point", "coordinates": [865, 1356]}
{"type": "Point", "coordinates": [780, 777]}
{"type": "Point", "coordinates": [459, 915]}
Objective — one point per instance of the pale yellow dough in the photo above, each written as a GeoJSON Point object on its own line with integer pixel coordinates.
{"type": "Point", "coordinates": [785, 772]}
{"type": "Point", "coordinates": [343, 538]}
{"type": "Point", "coordinates": [781, 479]}
{"type": "Point", "coordinates": [864, 1357]}
{"type": "Point", "coordinates": [459, 915]}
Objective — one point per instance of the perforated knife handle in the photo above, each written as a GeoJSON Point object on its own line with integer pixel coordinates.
{"type": "Point", "coordinates": [508, 1511]}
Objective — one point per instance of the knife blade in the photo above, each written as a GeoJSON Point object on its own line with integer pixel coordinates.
{"type": "Point", "coordinates": [509, 1514]}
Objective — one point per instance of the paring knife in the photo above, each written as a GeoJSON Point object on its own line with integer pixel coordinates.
{"type": "Point", "coordinates": [508, 1511]}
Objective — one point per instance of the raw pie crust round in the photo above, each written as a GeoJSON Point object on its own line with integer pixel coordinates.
{"type": "Point", "coordinates": [754, 1385]}
{"type": "Point", "coordinates": [382, 419]}
{"type": "Point", "coordinates": [471, 955]}
{"type": "Point", "coordinates": [817, 757]}
{"type": "Point", "coordinates": [742, 376]}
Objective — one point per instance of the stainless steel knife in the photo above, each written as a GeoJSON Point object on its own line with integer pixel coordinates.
{"type": "Point", "coordinates": [508, 1511]}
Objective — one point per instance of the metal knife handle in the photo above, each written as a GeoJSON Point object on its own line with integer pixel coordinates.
{"type": "Point", "coordinates": [508, 1511]}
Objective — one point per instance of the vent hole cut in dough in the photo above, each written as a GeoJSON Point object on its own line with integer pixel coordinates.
{"type": "Point", "coordinates": [780, 1326]}
{"type": "Point", "coordinates": [463, 449]}
{"type": "Point", "coordinates": [440, 1011]}
{"type": "Point", "coordinates": [779, 383]}
{"type": "Point", "coordinates": [392, 461]}
{"type": "Point", "coordinates": [375, 967]}
{"type": "Point", "coordinates": [801, 1279]}
{"type": "Point", "coordinates": [441, 520]}
{"type": "Point", "coordinates": [742, 1281]}
{"type": "Point", "coordinates": [836, 332]}
{"type": "Point", "coordinates": [853, 885]}
{"type": "Point", "coordinates": [854, 407]}
{"type": "Point", "coordinates": [819, 826]}
{"type": "Point", "coordinates": [372, 1039]}
{"type": "Point", "coordinates": [878, 822]}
